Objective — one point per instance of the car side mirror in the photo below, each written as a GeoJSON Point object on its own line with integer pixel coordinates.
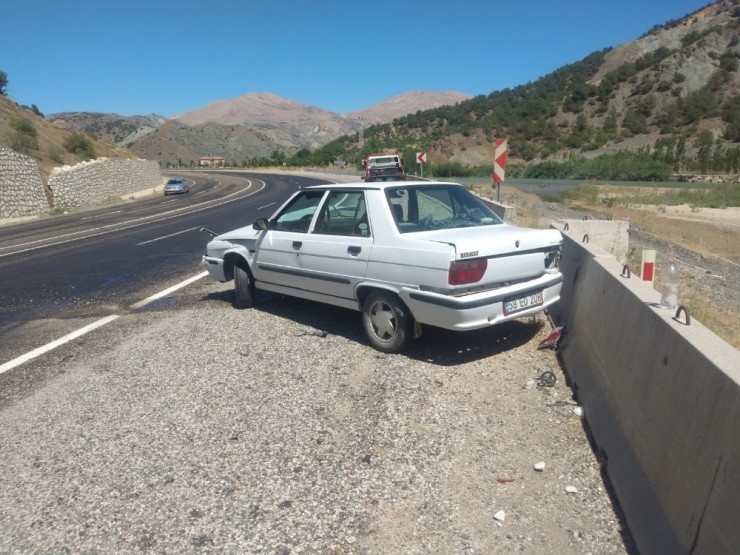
{"type": "Point", "coordinates": [261, 224]}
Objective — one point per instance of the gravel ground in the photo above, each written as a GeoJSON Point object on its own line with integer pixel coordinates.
{"type": "Point", "coordinates": [194, 427]}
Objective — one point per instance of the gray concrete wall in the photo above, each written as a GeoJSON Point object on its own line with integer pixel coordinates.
{"type": "Point", "coordinates": [21, 188]}
{"type": "Point", "coordinates": [662, 400]}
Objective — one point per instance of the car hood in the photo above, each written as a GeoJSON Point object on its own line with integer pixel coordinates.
{"type": "Point", "coordinates": [240, 234]}
{"type": "Point", "coordinates": [496, 240]}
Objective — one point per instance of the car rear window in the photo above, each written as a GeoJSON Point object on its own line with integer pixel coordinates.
{"type": "Point", "coordinates": [425, 208]}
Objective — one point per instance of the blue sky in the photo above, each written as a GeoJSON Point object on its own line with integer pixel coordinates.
{"type": "Point", "coordinates": [169, 56]}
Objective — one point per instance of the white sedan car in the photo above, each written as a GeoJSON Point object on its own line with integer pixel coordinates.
{"type": "Point", "coordinates": [402, 253]}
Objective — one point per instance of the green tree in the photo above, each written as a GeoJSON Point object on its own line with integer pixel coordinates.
{"type": "Point", "coordinates": [680, 157]}
{"type": "Point", "coordinates": [635, 122]}
{"type": "Point", "coordinates": [3, 83]}
{"type": "Point", "coordinates": [731, 115]}
{"type": "Point", "coordinates": [610, 124]}
{"type": "Point", "coordinates": [704, 143]}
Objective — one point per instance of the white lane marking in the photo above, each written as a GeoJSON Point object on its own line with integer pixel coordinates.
{"type": "Point", "coordinates": [95, 325]}
{"type": "Point", "coordinates": [42, 240]}
{"type": "Point", "coordinates": [168, 201]}
{"type": "Point", "coordinates": [168, 291]}
{"type": "Point", "coordinates": [173, 214]}
{"type": "Point", "coordinates": [168, 236]}
{"type": "Point", "coordinates": [266, 205]}
{"type": "Point", "coordinates": [54, 344]}
{"type": "Point", "coordinates": [100, 215]}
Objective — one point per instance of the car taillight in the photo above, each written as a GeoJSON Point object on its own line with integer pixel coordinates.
{"type": "Point", "coordinates": [466, 271]}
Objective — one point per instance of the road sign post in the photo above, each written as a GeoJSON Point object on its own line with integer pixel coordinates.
{"type": "Point", "coordinates": [499, 164]}
{"type": "Point", "coordinates": [421, 159]}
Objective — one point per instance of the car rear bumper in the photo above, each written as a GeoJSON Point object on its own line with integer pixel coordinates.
{"type": "Point", "coordinates": [479, 310]}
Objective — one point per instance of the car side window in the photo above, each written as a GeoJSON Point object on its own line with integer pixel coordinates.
{"type": "Point", "coordinates": [343, 213]}
{"type": "Point", "coordinates": [298, 214]}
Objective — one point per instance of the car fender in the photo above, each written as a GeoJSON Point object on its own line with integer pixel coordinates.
{"type": "Point", "coordinates": [363, 289]}
{"type": "Point", "coordinates": [238, 256]}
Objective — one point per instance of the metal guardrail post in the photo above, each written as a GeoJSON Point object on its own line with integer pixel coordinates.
{"type": "Point", "coordinates": [682, 308]}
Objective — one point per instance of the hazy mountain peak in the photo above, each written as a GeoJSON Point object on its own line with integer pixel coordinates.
{"type": "Point", "coordinates": [407, 103]}
{"type": "Point", "coordinates": [252, 108]}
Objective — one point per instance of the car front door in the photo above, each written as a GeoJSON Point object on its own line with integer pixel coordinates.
{"type": "Point", "coordinates": [334, 256]}
{"type": "Point", "coordinates": [277, 261]}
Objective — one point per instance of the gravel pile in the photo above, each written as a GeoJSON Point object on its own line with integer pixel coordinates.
{"type": "Point", "coordinates": [194, 427]}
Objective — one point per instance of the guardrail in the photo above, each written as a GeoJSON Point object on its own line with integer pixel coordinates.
{"type": "Point", "coordinates": [662, 399]}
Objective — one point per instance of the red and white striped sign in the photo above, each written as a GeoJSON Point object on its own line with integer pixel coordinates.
{"type": "Point", "coordinates": [499, 160]}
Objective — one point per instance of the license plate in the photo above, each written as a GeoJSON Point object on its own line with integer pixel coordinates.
{"type": "Point", "coordinates": [517, 304]}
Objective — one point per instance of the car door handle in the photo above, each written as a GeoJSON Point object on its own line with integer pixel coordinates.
{"type": "Point", "coordinates": [297, 244]}
{"type": "Point", "coordinates": [354, 251]}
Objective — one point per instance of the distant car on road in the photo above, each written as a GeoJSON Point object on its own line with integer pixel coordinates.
{"type": "Point", "coordinates": [402, 253]}
{"type": "Point", "coordinates": [176, 186]}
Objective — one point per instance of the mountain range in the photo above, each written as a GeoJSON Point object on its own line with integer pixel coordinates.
{"type": "Point", "coordinates": [249, 126]}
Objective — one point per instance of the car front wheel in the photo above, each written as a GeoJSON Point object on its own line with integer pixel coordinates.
{"type": "Point", "coordinates": [388, 324]}
{"type": "Point", "coordinates": [243, 288]}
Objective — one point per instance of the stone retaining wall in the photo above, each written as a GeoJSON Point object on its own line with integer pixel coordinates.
{"type": "Point", "coordinates": [23, 193]}
{"type": "Point", "coordinates": [21, 188]}
{"type": "Point", "coordinates": [98, 180]}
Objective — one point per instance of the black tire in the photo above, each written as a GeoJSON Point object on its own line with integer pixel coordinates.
{"type": "Point", "coordinates": [388, 324]}
{"type": "Point", "coordinates": [244, 288]}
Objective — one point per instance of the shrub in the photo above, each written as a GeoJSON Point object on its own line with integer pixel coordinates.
{"type": "Point", "coordinates": [57, 155]}
{"type": "Point", "coordinates": [25, 139]}
{"type": "Point", "coordinates": [79, 145]}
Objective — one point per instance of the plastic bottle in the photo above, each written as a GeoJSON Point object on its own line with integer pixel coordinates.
{"type": "Point", "coordinates": [669, 285]}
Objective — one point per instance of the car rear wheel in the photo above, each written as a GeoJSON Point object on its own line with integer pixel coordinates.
{"type": "Point", "coordinates": [388, 324]}
{"type": "Point", "coordinates": [244, 288]}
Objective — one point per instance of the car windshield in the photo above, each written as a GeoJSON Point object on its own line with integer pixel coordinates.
{"type": "Point", "coordinates": [425, 208]}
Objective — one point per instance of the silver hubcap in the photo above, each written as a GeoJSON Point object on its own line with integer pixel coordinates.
{"type": "Point", "coordinates": [383, 321]}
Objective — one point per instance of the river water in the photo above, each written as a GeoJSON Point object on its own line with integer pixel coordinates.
{"type": "Point", "coordinates": [553, 189]}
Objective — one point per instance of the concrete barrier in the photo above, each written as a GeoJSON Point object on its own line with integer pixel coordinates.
{"type": "Point", "coordinates": [662, 400]}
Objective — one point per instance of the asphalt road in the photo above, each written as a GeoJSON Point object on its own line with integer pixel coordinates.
{"type": "Point", "coordinates": [59, 273]}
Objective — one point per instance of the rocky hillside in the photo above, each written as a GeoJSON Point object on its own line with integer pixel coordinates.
{"type": "Point", "coordinates": [307, 125]}
{"type": "Point", "coordinates": [178, 144]}
{"type": "Point", "coordinates": [406, 103]}
{"type": "Point", "coordinates": [28, 132]}
{"type": "Point", "coordinates": [673, 91]}
{"type": "Point", "coordinates": [114, 128]}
